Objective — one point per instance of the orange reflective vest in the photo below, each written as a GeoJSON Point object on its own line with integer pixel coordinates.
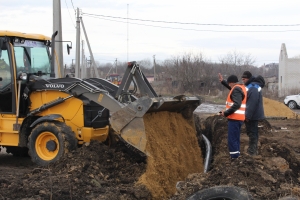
{"type": "Point", "coordinates": [239, 114]}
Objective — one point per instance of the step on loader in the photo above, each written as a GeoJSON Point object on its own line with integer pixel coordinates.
{"type": "Point", "coordinates": [46, 117]}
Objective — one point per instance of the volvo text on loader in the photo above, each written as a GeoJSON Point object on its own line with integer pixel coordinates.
{"type": "Point", "coordinates": [46, 117]}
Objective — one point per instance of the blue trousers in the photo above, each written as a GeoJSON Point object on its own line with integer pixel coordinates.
{"type": "Point", "coordinates": [234, 132]}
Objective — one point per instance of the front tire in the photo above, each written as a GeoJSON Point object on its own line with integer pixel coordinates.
{"type": "Point", "coordinates": [292, 105]}
{"type": "Point", "coordinates": [50, 141]}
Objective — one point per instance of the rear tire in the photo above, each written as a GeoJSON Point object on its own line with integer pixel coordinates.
{"type": "Point", "coordinates": [50, 141]}
{"type": "Point", "coordinates": [221, 193]}
{"type": "Point", "coordinates": [292, 105]}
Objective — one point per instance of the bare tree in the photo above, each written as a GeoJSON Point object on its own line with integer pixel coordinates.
{"type": "Point", "coordinates": [186, 70]}
{"type": "Point", "coordinates": [237, 62]}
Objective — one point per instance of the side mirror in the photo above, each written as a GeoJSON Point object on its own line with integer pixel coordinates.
{"type": "Point", "coordinates": [23, 76]}
{"type": "Point", "coordinates": [68, 48]}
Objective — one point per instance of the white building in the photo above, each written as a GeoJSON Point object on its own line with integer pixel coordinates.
{"type": "Point", "coordinates": [289, 74]}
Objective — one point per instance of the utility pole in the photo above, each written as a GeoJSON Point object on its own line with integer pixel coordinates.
{"type": "Point", "coordinates": [77, 58]}
{"type": "Point", "coordinates": [90, 50]}
{"type": "Point", "coordinates": [154, 66]}
{"type": "Point", "coordinates": [86, 66]}
{"type": "Point", "coordinates": [58, 66]}
{"type": "Point", "coordinates": [116, 66]}
{"type": "Point", "coordinates": [127, 33]}
{"type": "Point", "coordinates": [83, 69]}
{"type": "Point", "coordinates": [91, 69]}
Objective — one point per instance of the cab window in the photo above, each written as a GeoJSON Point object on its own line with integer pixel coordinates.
{"type": "Point", "coordinates": [5, 82]}
{"type": "Point", "coordinates": [5, 71]}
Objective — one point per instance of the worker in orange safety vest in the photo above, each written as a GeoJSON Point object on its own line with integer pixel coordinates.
{"type": "Point", "coordinates": [235, 113]}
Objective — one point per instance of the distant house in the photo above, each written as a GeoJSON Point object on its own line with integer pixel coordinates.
{"type": "Point", "coordinates": [271, 83]}
{"type": "Point", "coordinates": [289, 73]}
{"type": "Point", "coordinates": [159, 77]}
{"type": "Point", "coordinates": [150, 78]}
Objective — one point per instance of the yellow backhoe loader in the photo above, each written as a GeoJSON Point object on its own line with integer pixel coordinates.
{"type": "Point", "coordinates": [47, 116]}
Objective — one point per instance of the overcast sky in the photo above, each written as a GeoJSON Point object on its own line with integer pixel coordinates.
{"type": "Point", "coordinates": [111, 37]}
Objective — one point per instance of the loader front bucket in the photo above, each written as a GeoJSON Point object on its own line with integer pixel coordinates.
{"type": "Point", "coordinates": [129, 123]}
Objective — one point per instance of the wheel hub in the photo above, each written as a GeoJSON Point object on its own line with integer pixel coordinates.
{"type": "Point", "coordinates": [51, 145]}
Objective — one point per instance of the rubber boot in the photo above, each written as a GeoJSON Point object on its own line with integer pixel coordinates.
{"type": "Point", "coordinates": [252, 149]}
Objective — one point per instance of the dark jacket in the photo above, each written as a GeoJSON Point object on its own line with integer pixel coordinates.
{"type": "Point", "coordinates": [254, 105]}
{"type": "Point", "coordinates": [236, 96]}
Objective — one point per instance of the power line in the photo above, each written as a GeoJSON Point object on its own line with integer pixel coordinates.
{"type": "Point", "coordinates": [188, 29]}
{"type": "Point", "coordinates": [73, 5]}
{"type": "Point", "coordinates": [191, 23]}
{"type": "Point", "coordinates": [69, 13]}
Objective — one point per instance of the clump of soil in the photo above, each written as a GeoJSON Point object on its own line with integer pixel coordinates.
{"type": "Point", "coordinates": [272, 174]}
{"type": "Point", "coordinates": [274, 108]}
{"type": "Point", "coordinates": [91, 172]}
{"type": "Point", "coordinates": [174, 152]}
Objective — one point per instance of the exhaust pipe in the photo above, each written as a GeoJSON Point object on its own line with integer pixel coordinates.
{"type": "Point", "coordinates": [52, 73]}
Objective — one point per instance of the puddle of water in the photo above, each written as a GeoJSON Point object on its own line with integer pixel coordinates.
{"type": "Point", "coordinates": [209, 108]}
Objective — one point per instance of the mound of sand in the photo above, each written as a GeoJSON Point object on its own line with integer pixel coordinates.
{"type": "Point", "coordinates": [174, 152]}
{"type": "Point", "coordinates": [277, 109]}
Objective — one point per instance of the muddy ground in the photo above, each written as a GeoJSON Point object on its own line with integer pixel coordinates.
{"type": "Point", "coordinates": [273, 174]}
{"type": "Point", "coordinates": [96, 171]}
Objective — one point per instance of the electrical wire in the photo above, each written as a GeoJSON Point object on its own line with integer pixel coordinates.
{"type": "Point", "coordinates": [70, 13]}
{"type": "Point", "coordinates": [191, 23]}
{"type": "Point", "coordinates": [73, 5]}
{"type": "Point", "coordinates": [188, 29]}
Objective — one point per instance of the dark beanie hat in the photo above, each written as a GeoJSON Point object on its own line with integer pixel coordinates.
{"type": "Point", "coordinates": [246, 74]}
{"type": "Point", "coordinates": [232, 79]}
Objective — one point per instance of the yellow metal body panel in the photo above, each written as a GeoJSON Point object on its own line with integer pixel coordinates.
{"type": "Point", "coordinates": [72, 111]}
{"type": "Point", "coordinates": [95, 134]}
{"type": "Point", "coordinates": [8, 137]}
{"type": "Point", "coordinates": [24, 35]}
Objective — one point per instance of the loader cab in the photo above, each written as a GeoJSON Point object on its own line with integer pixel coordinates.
{"type": "Point", "coordinates": [6, 80]}
{"type": "Point", "coordinates": [20, 53]}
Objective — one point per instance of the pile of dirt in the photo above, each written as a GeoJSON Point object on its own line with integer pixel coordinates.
{"type": "Point", "coordinates": [174, 152]}
{"type": "Point", "coordinates": [274, 173]}
{"type": "Point", "coordinates": [274, 108]}
{"type": "Point", "coordinates": [93, 171]}
{"type": "Point", "coordinates": [96, 171]}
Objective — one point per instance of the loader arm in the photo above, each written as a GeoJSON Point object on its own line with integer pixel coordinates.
{"type": "Point", "coordinates": [127, 111]}
{"type": "Point", "coordinates": [133, 73]}
{"type": "Point", "coordinates": [127, 118]}
{"type": "Point", "coordinates": [132, 129]}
